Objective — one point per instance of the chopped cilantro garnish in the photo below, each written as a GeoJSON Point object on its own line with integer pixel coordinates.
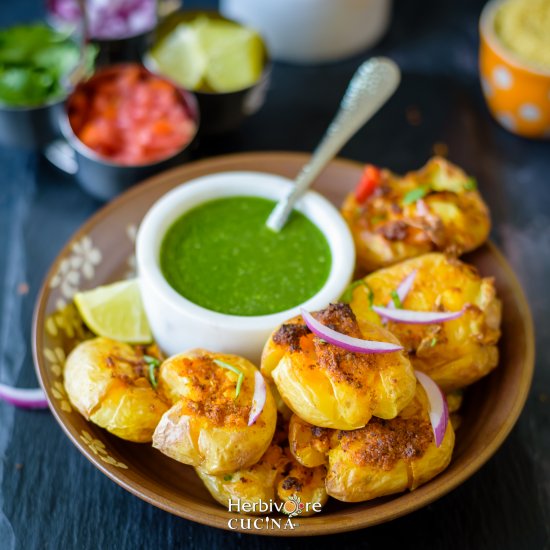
{"type": "Point", "coordinates": [415, 194]}
{"type": "Point", "coordinates": [237, 371]}
{"type": "Point", "coordinates": [348, 293]}
{"type": "Point", "coordinates": [227, 477]}
{"type": "Point", "coordinates": [470, 185]}
{"type": "Point", "coordinates": [378, 218]}
{"type": "Point", "coordinates": [35, 61]}
{"type": "Point", "coordinates": [433, 342]}
{"type": "Point", "coordinates": [396, 300]}
{"type": "Point", "coordinates": [154, 364]}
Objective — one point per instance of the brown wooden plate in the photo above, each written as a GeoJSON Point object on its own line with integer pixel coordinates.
{"type": "Point", "coordinates": [101, 251]}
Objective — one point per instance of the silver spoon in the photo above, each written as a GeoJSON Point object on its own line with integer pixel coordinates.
{"type": "Point", "coordinates": [371, 86]}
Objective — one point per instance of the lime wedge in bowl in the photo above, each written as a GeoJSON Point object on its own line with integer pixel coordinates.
{"type": "Point", "coordinates": [235, 56]}
{"type": "Point", "coordinates": [210, 55]}
{"type": "Point", "coordinates": [181, 57]}
{"type": "Point", "coordinates": [115, 311]}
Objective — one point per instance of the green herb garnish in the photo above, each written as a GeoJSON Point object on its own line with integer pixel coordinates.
{"type": "Point", "coordinates": [227, 477]}
{"type": "Point", "coordinates": [154, 364]}
{"type": "Point", "coordinates": [237, 371]}
{"type": "Point", "coordinates": [378, 218]}
{"type": "Point", "coordinates": [35, 60]}
{"type": "Point", "coordinates": [415, 194]}
{"type": "Point", "coordinates": [433, 342]}
{"type": "Point", "coordinates": [470, 185]}
{"type": "Point", "coordinates": [347, 296]}
{"type": "Point", "coordinates": [396, 299]}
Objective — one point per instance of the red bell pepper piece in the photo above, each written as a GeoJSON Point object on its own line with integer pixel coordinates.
{"type": "Point", "coordinates": [368, 183]}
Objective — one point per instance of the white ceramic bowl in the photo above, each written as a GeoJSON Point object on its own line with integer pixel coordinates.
{"type": "Point", "coordinates": [313, 31]}
{"type": "Point", "coordinates": [177, 323]}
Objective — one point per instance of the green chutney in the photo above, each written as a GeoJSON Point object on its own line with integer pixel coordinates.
{"type": "Point", "coordinates": [221, 256]}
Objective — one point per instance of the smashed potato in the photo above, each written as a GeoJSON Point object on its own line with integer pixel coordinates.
{"type": "Point", "coordinates": [107, 381]}
{"type": "Point", "coordinates": [207, 426]}
{"type": "Point", "coordinates": [454, 353]}
{"type": "Point", "coordinates": [384, 457]}
{"type": "Point", "coordinates": [436, 208]}
{"type": "Point", "coordinates": [277, 477]}
{"type": "Point", "coordinates": [329, 386]}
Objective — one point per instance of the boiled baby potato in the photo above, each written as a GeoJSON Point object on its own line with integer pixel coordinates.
{"type": "Point", "coordinates": [393, 218]}
{"type": "Point", "coordinates": [384, 457]}
{"type": "Point", "coordinates": [329, 386]}
{"type": "Point", "coordinates": [108, 382]}
{"type": "Point", "coordinates": [277, 477]}
{"type": "Point", "coordinates": [207, 426]}
{"type": "Point", "coordinates": [454, 353]}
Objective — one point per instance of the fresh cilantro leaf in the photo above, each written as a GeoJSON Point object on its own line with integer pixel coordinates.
{"type": "Point", "coordinates": [396, 300]}
{"type": "Point", "coordinates": [237, 371]}
{"type": "Point", "coordinates": [470, 185]}
{"type": "Point", "coordinates": [415, 194]}
{"type": "Point", "coordinates": [154, 364]}
{"type": "Point", "coordinates": [378, 218]}
{"type": "Point", "coordinates": [347, 296]}
{"type": "Point", "coordinates": [34, 61]}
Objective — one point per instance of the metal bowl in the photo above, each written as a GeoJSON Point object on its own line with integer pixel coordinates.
{"type": "Point", "coordinates": [101, 177]}
{"type": "Point", "coordinates": [220, 111]}
{"type": "Point", "coordinates": [30, 127]}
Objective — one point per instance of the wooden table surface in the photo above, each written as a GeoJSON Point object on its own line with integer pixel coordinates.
{"type": "Point", "coordinates": [52, 498]}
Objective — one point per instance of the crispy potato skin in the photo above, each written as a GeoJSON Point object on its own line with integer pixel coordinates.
{"type": "Point", "coordinates": [383, 458]}
{"type": "Point", "coordinates": [207, 425]}
{"type": "Point", "coordinates": [387, 231]}
{"type": "Point", "coordinates": [330, 387]}
{"type": "Point", "coordinates": [107, 382]}
{"type": "Point", "coordinates": [455, 353]}
{"type": "Point", "coordinates": [276, 477]}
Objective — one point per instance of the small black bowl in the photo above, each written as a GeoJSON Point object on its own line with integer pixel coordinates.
{"type": "Point", "coordinates": [30, 127]}
{"type": "Point", "coordinates": [220, 111]}
{"type": "Point", "coordinates": [104, 178]}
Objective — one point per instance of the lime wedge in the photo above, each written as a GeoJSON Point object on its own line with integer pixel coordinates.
{"type": "Point", "coordinates": [115, 311]}
{"type": "Point", "coordinates": [181, 57]}
{"type": "Point", "coordinates": [235, 55]}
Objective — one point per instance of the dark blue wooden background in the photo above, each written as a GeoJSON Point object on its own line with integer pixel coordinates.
{"type": "Point", "coordinates": [52, 498]}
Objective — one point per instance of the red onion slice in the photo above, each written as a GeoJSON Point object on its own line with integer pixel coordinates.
{"type": "Point", "coordinates": [412, 317]}
{"type": "Point", "coordinates": [404, 288]}
{"type": "Point", "coordinates": [258, 399]}
{"type": "Point", "coordinates": [421, 208]}
{"type": "Point", "coordinates": [439, 412]}
{"type": "Point", "coordinates": [27, 399]}
{"type": "Point", "coordinates": [349, 343]}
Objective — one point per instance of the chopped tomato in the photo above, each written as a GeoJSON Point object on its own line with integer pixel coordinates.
{"type": "Point", "coordinates": [130, 116]}
{"type": "Point", "coordinates": [370, 180]}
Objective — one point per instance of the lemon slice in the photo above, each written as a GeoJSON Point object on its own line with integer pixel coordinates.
{"type": "Point", "coordinates": [180, 56]}
{"type": "Point", "coordinates": [115, 311]}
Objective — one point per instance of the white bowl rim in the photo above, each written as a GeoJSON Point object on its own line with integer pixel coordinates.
{"type": "Point", "coordinates": [172, 204]}
{"type": "Point", "coordinates": [487, 30]}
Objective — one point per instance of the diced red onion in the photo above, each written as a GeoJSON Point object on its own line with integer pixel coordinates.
{"type": "Point", "coordinates": [27, 399]}
{"type": "Point", "coordinates": [439, 411]}
{"type": "Point", "coordinates": [412, 317]}
{"type": "Point", "coordinates": [404, 288]}
{"type": "Point", "coordinates": [258, 399]}
{"type": "Point", "coordinates": [109, 19]}
{"type": "Point", "coordinates": [349, 343]}
{"type": "Point", "coordinates": [421, 208]}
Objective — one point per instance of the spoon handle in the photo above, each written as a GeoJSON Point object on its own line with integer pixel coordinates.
{"type": "Point", "coordinates": [371, 86]}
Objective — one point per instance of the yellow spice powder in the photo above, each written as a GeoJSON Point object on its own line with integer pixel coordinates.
{"type": "Point", "coordinates": [523, 26]}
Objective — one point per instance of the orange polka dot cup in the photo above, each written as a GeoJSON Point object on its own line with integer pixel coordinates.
{"type": "Point", "coordinates": [517, 92]}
